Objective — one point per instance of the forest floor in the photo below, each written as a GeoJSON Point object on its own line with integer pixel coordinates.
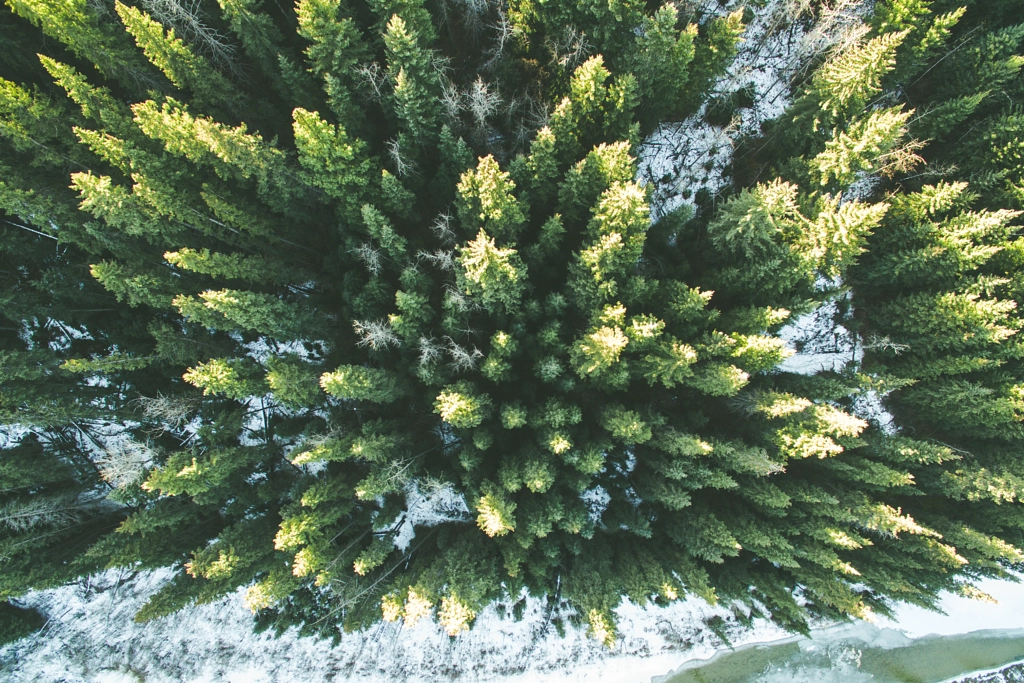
{"type": "Point", "coordinates": [90, 636]}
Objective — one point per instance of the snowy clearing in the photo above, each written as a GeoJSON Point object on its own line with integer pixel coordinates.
{"type": "Point", "coordinates": [90, 636]}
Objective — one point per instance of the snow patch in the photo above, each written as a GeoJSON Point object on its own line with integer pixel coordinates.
{"type": "Point", "coordinates": [821, 344]}
{"type": "Point", "coordinates": [429, 507]}
{"type": "Point", "coordinates": [308, 350]}
{"type": "Point", "coordinates": [12, 434]}
{"type": "Point", "coordinates": [596, 500]}
{"type": "Point", "coordinates": [868, 406]}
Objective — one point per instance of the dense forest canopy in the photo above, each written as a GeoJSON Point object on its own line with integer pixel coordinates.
{"type": "Point", "coordinates": [274, 276]}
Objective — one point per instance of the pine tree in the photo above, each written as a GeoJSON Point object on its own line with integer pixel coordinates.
{"type": "Point", "coordinates": [88, 36]}
{"type": "Point", "coordinates": [317, 304]}
{"type": "Point", "coordinates": [179, 64]}
{"type": "Point", "coordinates": [663, 57]}
{"type": "Point", "coordinates": [414, 81]}
{"type": "Point", "coordinates": [934, 295]}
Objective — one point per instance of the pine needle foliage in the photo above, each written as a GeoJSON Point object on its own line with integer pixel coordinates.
{"type": "Point", "coordinates": [386, 248]}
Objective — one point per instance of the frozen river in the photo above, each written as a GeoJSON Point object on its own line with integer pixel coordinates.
{"type": "Point", "coordinates": [974, 639]}
{"type": "Point", "coordinates": [860, 654]}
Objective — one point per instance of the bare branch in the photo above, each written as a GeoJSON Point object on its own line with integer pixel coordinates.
{"type": "Point", "coordinates": [503, 30]}
{"type": "Point", "coordinates": [442, 228]}
{"type": "Point", "coordinates": [174, 412]}
{"type": "Point", "coordinates": [451, 101]}
{"type": "Point", "coordinates": [375, 77]}
{"type": "Point", "coordinates": [885, 344]}
{"type": "Point", "coordinates": [442, 259]}
{"type": "Point", "coordinates": [403, 164]}
{"type": "Point", "coordinates": [462, 359]}
{"type": "Point", "coordinates": [456, 299]}
{"type": "Point", "coordinates": [376, 334]}
{"type": "Point", "coordinates": [124, 462]}
{"type": "Point", "coordinates": [481, 103]}
{"type": "Point", "coordinates": [430, 351]}
{"type": "Point", "coordinates": [369, 255]}
{"type": "Point", "coordinates": [57, 510]}
{"type": "Point", "coordinates": [186, 18]}
{"type": "Point", "coordinates": [570, 48]}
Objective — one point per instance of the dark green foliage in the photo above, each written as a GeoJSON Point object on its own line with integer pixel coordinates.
{"type": "Point", "coordinates": [381, 253]}
{"type": "Point", "coordinates": [17, 622]}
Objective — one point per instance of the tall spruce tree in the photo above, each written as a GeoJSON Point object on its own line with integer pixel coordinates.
{"type": "Point", "coordinates": [931, 301]}
{"type": "Point", "coordinates": [936, 300]}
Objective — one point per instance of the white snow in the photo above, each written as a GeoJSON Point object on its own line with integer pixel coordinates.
{"type": "Point", "coordinates": [308, 350]}
{"type": "Point", "coordinates": [824, 345]}
{"type": "Point", "coordinates": [90, 636]}
{"type": "Point", "coordinates": [596, 500]}
{"type": "Point", "coordinates": [12, 434]}
{"type": "Point", "coordinates": [868, 406]}
{"type": "Point", "coordinates": [429, 506]}
{"type": "Point", "coordinates": [821, 344]}
{"type": "Point", "coordinates": [963, 615]}
{"type": "Point", "coordinates": [679, 159]}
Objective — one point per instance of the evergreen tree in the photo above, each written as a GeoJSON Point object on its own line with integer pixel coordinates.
{"type": "Point", "coordinates": [317, 303]}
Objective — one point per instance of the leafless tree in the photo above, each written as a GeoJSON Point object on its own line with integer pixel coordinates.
{"type": "Point", "coordinates": [503, 31]}
{"type": "Point", "coordinates": [459, 301]}
{"type": "Point", "coordinates": [481, 103]}
{"type": "Point", "coordinates": [442, 228]}
{"type": "Point", "coordinates": [451, 101]}
{"type": "Point", "coordinates": [375, 77]}
{"type": "Point", "coordinates": [430, 351]}
{"type": "Point", "coordinates": [569, 49]}
{"type": "Point", "coordinates": [442, 65]}
{"type": "Point", "coordinates": [124, 462]}
{"type": "Point", "coordinates": [369, 255]}
{"type": "Point", "coordinates": [902, 159]}
{"type": "Point", "coordinates": [395, 475]}
{"type": "Point", "coordinates": [376, 334]}
{"type": "Point", "coordinates": [838, 26]}
{"type": "Point", "coordinates": [442, 259]}
{"type": "Point", "coordinates": [429, 485]}
{"type": "Point", "coordinates": [474, 16]}
{"type": "Point", "coordinates": [525, 115]}
{"type": "Point", "coordinates": [316, 440]}
{"type": "Point", "coordinates": [39, 510]}
{"type": "Point", "coordinates": [403, 164]}
{"type": "Point", "coordinates": [172, 412]}
{"type": "Point", "coordinates": [462, 359]}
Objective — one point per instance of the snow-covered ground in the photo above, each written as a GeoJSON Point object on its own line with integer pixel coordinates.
{"type": "Point", "coordinates": [681, 158]}
{"type": "Point", "coordinates": [963, 615]}
{"type": "Point", "coordinates": [821, 344]}
{"type": "Point", "coordinates": [90, 636]}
